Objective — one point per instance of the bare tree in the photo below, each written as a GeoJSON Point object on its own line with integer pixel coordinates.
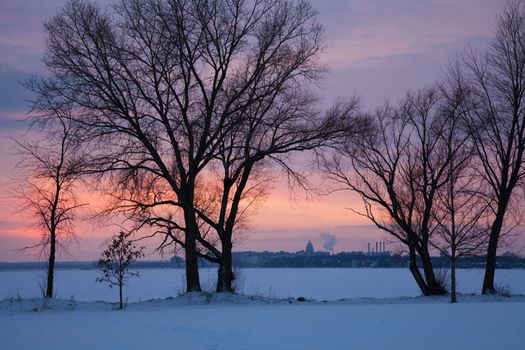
{"type": "Point", "coordinates": [50, 170]}
{"type": "Point", "coordinates": [496, 79]}
{"type": "Point", "coordinates": [461, 212]}
{"type": "Point", "coordinates": [120, 253]}
{"type": "Point", "coordinates": [157, 85]}
{"type": "Point", "coordinates": [397, 166]}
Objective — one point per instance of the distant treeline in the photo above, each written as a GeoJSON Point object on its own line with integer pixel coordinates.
{"type": "Point", "coordinates": [83, 265]}
{"type": "Point", "coordinates": [251, 259]}
{"type": "Point", "coordinates": [360, 259]}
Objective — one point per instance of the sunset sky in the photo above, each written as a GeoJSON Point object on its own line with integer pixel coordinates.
{"type": "Point", "coordinates": [377, 49]}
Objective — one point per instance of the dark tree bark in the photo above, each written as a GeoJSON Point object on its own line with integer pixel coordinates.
{"type": "Point", "coordinates": [453, 295]}
{"type": "Point", "coordinates": [51, 264]}
{"type": "Point", "coordinates": [121, 301]}
{"type": "Point", "coordinates": [225, 274]}
{"type": "Point", "coordinates": [416, 273]}
{"type": "Point", "coordinates": [190, 250]}
{"type": "Point", "coordinates": [492, 250]}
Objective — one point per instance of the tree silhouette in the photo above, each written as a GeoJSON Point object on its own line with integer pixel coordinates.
{"type": "Point", "coordinates": [120, 253]}
{"type": "Point", "coordinates": [495, 79]}
{"type": "Point", "coordinates": [50, 169]}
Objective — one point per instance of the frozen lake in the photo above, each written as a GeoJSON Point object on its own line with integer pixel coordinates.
{"type": "Point", "coordinates": [320, 284]}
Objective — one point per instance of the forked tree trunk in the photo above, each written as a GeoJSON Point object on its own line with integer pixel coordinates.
{"type": "Point", "coordinates": [433, 287]}
{"type": "Point", "coordinates": [225, 273]}
{"type": "Point", "coordinates": [416, 273]}
{"type": "Point", "coordinates": [427, 284]}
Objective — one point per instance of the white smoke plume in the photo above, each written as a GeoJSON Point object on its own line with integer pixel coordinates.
{"type": "Point", "coordinates": [329, 241]}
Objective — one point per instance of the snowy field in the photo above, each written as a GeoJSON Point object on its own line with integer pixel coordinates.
{"type": "Point", "coordinates": [320, 284]}
{"type": "Point", "coordinates": [381, 311]}
{"type": "Point", "coordinates": [195, 322]}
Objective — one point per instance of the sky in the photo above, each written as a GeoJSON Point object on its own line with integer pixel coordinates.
{"type": "Point", "coordinates": [376, 49]}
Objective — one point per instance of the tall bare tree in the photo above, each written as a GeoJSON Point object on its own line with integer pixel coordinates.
{"type": "Point", "coordinates": [496, 79]}
{"type": "Point", "coordinates": [397, 166]}
{"type": "Point", "coordinates": [461, 211]}
{"type": "Point", "coordinates": [50, 169]}
{"type": "Point", "coordinates": [157, 85]}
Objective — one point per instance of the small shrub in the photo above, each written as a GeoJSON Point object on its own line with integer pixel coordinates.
{"type": "Point", "coordinates": [504, 290]}
{"type": "Point", "coordinates": [238, 281]}
{"type": "Point", "coordinates": [443, 279]}
{"type": "Point", "coordinates": [72, 303]}
{"type": "Point", "coordinates": [19, 298]}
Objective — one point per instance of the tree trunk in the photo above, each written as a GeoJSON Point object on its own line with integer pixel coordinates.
{"type": "Point", "coordinates": [190, 241]}
{"type": "Point", "coordinates": [225, 273]}
{"type": "Point", "coordinates": [416, 273]}
{"type": "Point", "coordinates": [120, 295]}
{"type": "Point", "coordinates": [453, 297]}
{"type": "Point", "coordinates": [490, 267]}
{"type": "Point", "coordinates": [192, 267]}
{"type": "Point", "coordinates": [51, 266]}
{"type": "Point", "coordinates": [433, 287]}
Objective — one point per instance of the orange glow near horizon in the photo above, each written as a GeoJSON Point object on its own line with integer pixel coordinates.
{"type": "Point", "coordinates": [277, 217]}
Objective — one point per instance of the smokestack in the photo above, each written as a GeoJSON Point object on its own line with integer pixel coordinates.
{"type": "Point", "coordinates": [368, 248]}
{"type": "Point", "coordinates": [376, 248]}
{"type": "Point", "coordinates": [384, 247]}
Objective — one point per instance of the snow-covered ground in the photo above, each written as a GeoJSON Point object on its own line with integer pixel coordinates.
{"type": "Point", "coordinates": [380, 310]}
{"type": "Point", "coordinates": [320, 284]}
{"type": "Point", "coordinates": [200, 322]}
